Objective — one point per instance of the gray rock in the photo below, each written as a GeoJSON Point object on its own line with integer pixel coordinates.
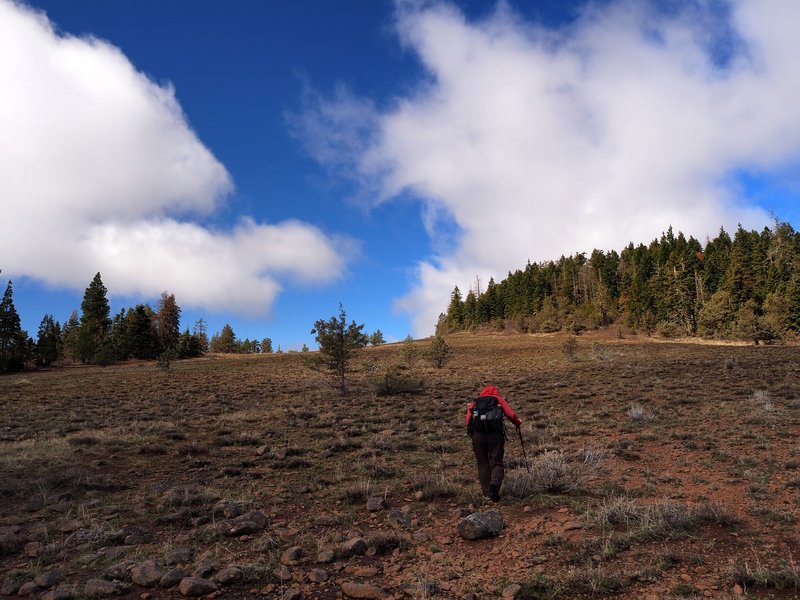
{"type": "Point", "coordinates": [229, 575]}
{"type": "Point", "coordinates": [318, 575]}
{"type": "Point", "coordinates": [354, 546]}
{"type": "Point", "coordinates": [511, 591]}
{"type": "Point", "coordinates": [120, 571]}
{"type": "Point", "coordinates": [49, 579]}
{"type": "Point", "coordinates": [196, 586]}
{"type": "Point", "coordinates": [28, 588]}
{"type": "Point", "coordinates": [377, 503]}
{"type": "Point", "coordinates": [62, 592]}
{"type": "Point", "coordinates": [292, 556]}
{"type": "Point", "coordinates": [173, 577]}
{"type": "Point", "coordinates": [326, 556]}
{"type": "Point", "coordinates": [12, 582]}
{"type": "Point", "coordinates": [282, 572]}
{"type": "Point", "coordinates": [205, 567]}
{"type": "Point", "coordinates": [100, 588]}
{"type": "Point", "coordinates": [148, 573]}
{"type": "Point", "coordinates": [481, 525]}
{"type": "Point", "coordinates": [177, 556]}
{"type": "Point", "coordinates": [228, 508]}
{"type": "Point", "coordinates": [292, 594]}
{"type": "Point", "coordinates": [399, 518]}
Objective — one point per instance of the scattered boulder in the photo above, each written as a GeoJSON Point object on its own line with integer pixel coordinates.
{"type": "Point", "coordinates": [377, 503]}
{"type": "Point", "coordinates": [49, 579]}
{"type": "Point", "coordinates": [354, 546]}
{"type": "Point", "coordinates": [481, 525]}
{"type": "Point", "coordinates": [33, 549]}
{"type": "Point", "coordinates": [363, 590]}
{"type": "Point", "coordinates": [196, 586]}
{"type": "Point", "coordinates": [399, 518]}
{"type": "Point", "coordinates": [326, 556]}
{"type": "Point", "coordinates": [148, 573]}
{"type": "Point", "coordinates": [172, 578]}
{"type": "Point", "coordinates": [12, 582]}
{"type": "Point", "coordinates": [177, 556]}
{"type": "Point", "coordinates": [318, 575]}
{"type": "Point", "coordinates": [511, 592]}
{"type": "Point", "coordinates": [28, 588]}
{"type": "Point", "coordinates": [282, 572]}
{"type": "Point", "coordinates": [228, 508]}
{"type": "Point", "coordinates": [120, 571]}
{"type": "Point", "coordinates": [62, 592]}
{"type": "Point", "coordinates": [292, 594]}
{"type": "Point", "coordinates": [292, 556]}
{"type": "Point", "coordinates": [229, 575]}
{"type": "Point", "coordinates": [100, 588]}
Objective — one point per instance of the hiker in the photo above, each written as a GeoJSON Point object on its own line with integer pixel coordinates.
{"type": "Point", "coordinates": [485, 425]}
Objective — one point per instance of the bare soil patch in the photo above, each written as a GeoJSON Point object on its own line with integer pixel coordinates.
{"type": "Point", "coordinates": [661, 470]}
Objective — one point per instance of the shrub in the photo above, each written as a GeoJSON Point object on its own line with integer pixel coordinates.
{"type": "Point", "coordinates": [394, 381]}
{"type": "Point", "coordinates": [640, 414]}
{"type": "Point", "coordinates": [438, 352]}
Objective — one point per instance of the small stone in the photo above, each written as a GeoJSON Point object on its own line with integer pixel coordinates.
{"type": "Point", "coordinates": [100, 588]}
{"type": "Point", "coordinates": [292, 556]}
{"type": "Point", "coordinates": [120, 571]}
{"type": "Point", "coordinates": [292, 594]}
{"type": "Point", "coordinates": [511, 591]}
{"type": "Point", "coordinates": [354, 546]}
{"type": "Point", "coordinates": [572, 525]}
{"type": "Point", "coordinates": [686, 577]}
{"type": "Point", "coordinates": [318, 575]}
{"type": "Point", "coordinates": [28, 588]}
{"type": "Point", "coordinates": [326, 556]}
{"type": "Point", "coordinates": [377, 503]}
{"type": "Point", "coordinates": [363, 590]}
{"type": "Point", "coordinates": [49, 579]}
{"type": "Point", "coordinates": [177, 556]}
{"type": "Point", "coordinates": [481, 525]}
{"type": "Point", "coordinates": [419, 495]}
{"type": "Point", "coordinates": [33, 549]}
{"type": "Point", "coordinates": [196, 586]}
{"type": "Point", "coordinates": [399, 518]}
{"type": "Point", "coordinates": [172, 578]}
{"type": "Point", "coordinates": [737, 590]}
{"type": "Point", "coordinates": [62, 592]}
{"type": "Point", "coordinates": [147, 574]}
{"type": "Point", "coordinates": [282, 572]}
{"type": "Point", "coordinates": [229, 575]}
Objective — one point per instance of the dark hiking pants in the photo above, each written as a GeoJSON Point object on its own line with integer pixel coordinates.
{"type": "Point", "coordinates": [489, 448]}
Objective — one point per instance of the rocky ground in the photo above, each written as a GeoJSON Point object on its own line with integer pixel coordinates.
{"type": "Point", "coordinates": [654, 470]}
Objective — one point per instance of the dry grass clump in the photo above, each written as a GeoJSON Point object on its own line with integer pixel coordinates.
{"type": "Point", "coordinates": [658, 520]}
{"type": "Point", "coordinates": [436, 485]}
{"type": "Point", "coordinates": [550, 472]}
{"type": "Point", "coordinates": [387, 540]}
{"type": "Point", "coordinates": [640, 414]}
{"type": "Point", "coordinates": [783, 577]}
{"type": "Point", "coordinates": [357, 493]}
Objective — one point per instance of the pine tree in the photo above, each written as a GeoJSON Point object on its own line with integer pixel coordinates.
{"type": "Point", "coordinates": [168, 322]}
{"type": "Point", "coordinates": [338, 343]}
{"type": "Point", "coordinates": [455, 311]}
{"type": "Point", "coordinates": [95, 322]}
{"type": "Point", "coordinates": [200, 332]}
{"type": "Point", "coordinates": [48, 344]}
{"type": "Point", "coordinates": [376, 339]}
{"type": "Point", "coordinates": [69, 336]}
{"type": "Point", "coordinates": [225, 341]}
{"type": "Point", "coordinates": [13, 340]}
{"type": "Point", "coordinates": [266, 346]}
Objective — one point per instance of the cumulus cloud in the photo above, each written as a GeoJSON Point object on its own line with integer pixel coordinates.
{"type": "Point", "coordinates": [100, 171]}
{"type": "Point", "coordinates": [539, 142]}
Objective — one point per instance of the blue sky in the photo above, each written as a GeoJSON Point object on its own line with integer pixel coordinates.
{"type": "Point", "coordinates": [265, 161]}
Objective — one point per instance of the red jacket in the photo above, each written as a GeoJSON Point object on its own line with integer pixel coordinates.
{"type": "Point", "coordinates": [490, 390]}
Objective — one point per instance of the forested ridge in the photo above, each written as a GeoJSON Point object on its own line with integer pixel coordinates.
{"type": "Point", "coordinates": [745, 287]}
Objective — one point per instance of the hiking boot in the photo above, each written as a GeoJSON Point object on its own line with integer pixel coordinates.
{"type": "Point", "coordinates": [494, 493]}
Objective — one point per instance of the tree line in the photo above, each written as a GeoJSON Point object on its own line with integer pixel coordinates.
{"type": "Point", "coordinates": [139, 332]}
{"type": "Point", "coordinates": [746, 287]}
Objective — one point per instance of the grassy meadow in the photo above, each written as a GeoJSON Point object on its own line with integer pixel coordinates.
{"type": "Point", "coordinates": [655, 470]}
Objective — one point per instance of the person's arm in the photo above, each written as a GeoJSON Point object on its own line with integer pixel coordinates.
{"type": "Point", "coordinates": [509, 412]}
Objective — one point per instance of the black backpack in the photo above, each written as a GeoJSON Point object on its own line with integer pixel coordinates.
{"type": "Point", "coordinates": [487, 415]}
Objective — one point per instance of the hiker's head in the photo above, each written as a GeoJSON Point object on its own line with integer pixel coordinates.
{"type": "Point", "coordinates": [490, 390]}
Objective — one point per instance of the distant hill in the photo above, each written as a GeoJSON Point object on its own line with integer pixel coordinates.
{"type": "Point", "coordinates": [747, 287]}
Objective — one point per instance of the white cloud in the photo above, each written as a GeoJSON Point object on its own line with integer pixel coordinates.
{"type": "Point", "coordinates": [546, 142]}
{"type": "Point", "coordinates": [100, 171]}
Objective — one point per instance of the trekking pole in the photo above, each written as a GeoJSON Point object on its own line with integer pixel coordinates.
{"type": "Point", "coordinates": [524, 454]}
